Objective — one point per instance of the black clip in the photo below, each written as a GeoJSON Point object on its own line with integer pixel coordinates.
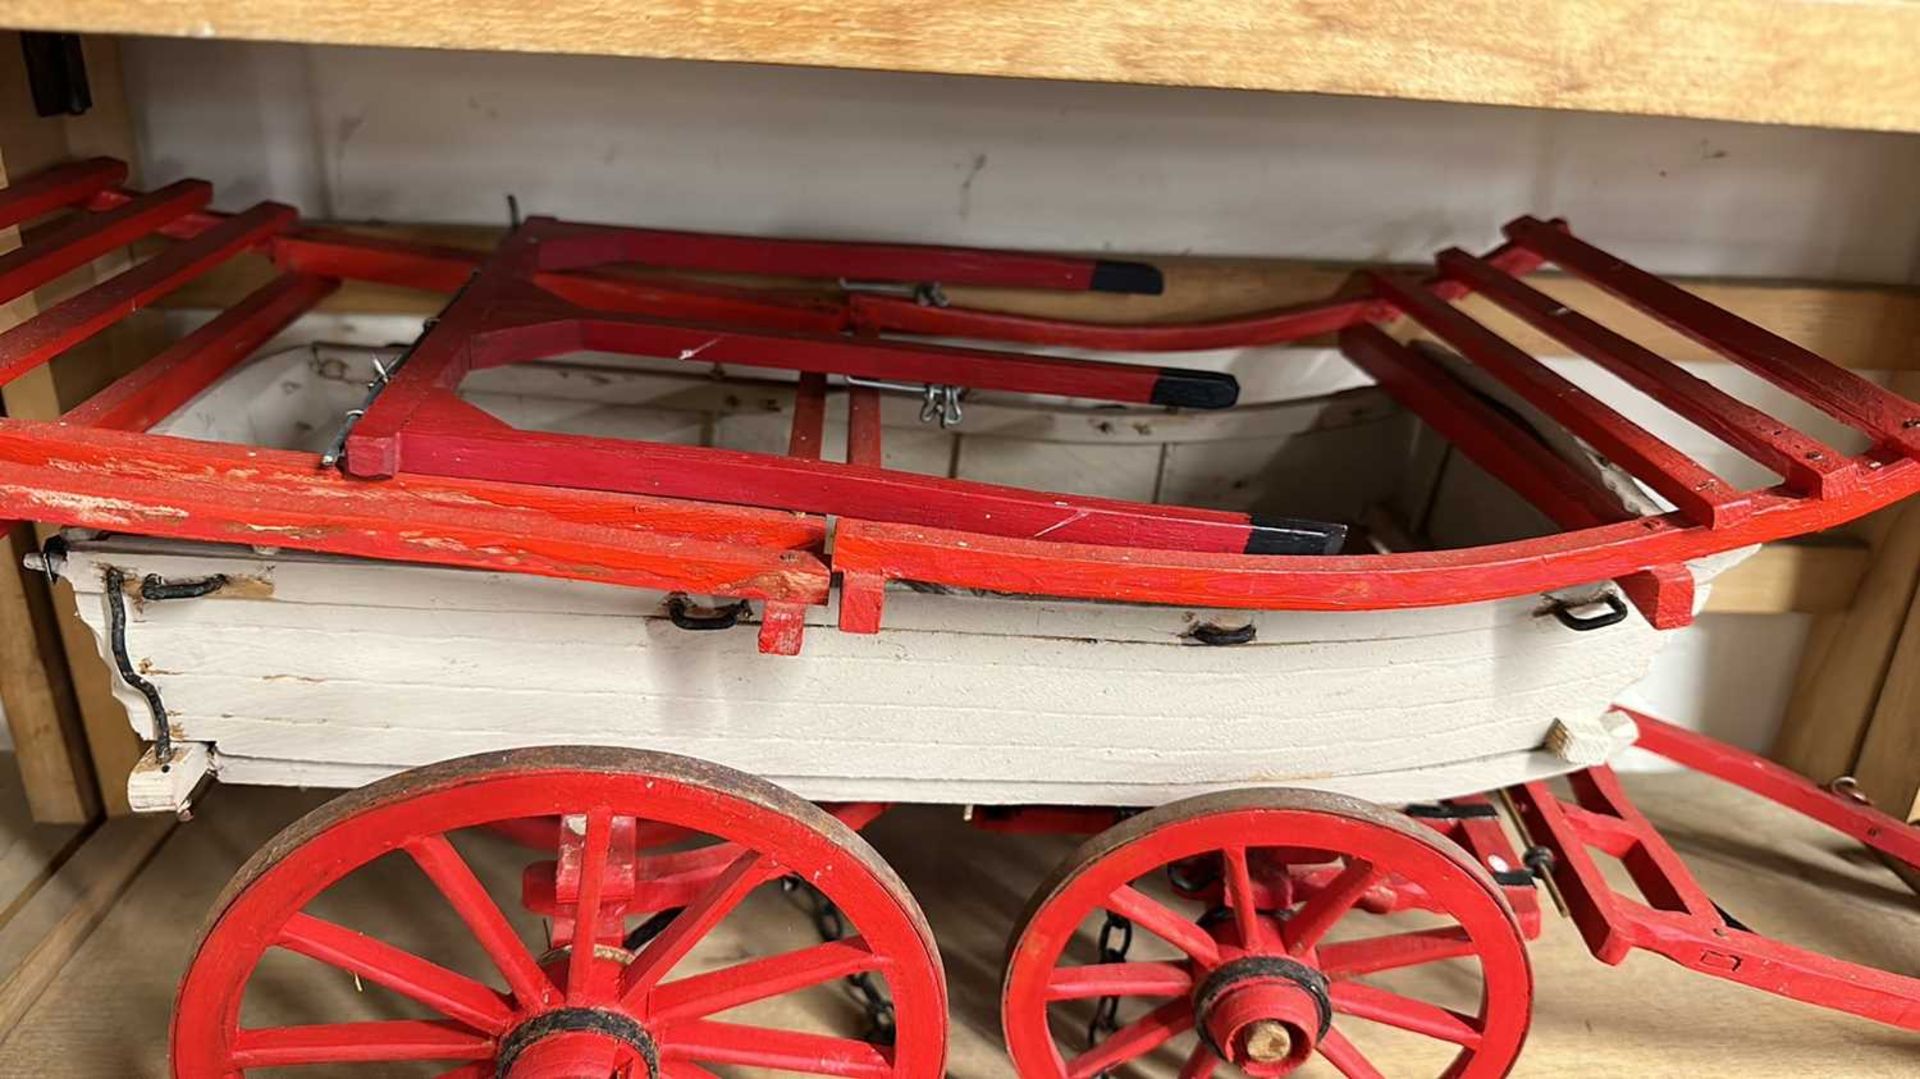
{"type": "Point", "coordinates": [721, 618]}
{"type": "Point", "coordinates": [154, 588]}
{"type": "Point", "coordinates": [1616, 613]}
{"type": "Point", "coordinates": [1209, 634]}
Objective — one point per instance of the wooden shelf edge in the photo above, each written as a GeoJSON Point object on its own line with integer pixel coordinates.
{"type": "Point", "coordinates": [1823, 63]}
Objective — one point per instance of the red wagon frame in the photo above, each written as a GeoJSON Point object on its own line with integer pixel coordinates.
{"type": "Point", "coordinates": [97, 469]}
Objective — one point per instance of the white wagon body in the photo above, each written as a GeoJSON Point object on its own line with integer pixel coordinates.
{"type": "Point", "coordinates": [324, 671]}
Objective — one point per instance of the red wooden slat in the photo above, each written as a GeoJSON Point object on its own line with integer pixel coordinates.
{"type": "Point", "coordinates": [82, 238]}
{"type": "Point", "coordinates": [152, 391]}
{"type": "Point", "coordinates": [1807, 464]}
{"type": "Point", "coordinates": [77, 318]}
{"type": "Point", "coordinates": [57, 187]}
{"type": "Point", "coordinates": [1697, 492]}
{"type": "Point", "coordinates": [1886, 416]}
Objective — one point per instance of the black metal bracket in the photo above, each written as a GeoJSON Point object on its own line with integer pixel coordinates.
{"type": "Point", "coordinates": [1616, 613]}
{"type": "Point", "coordinates": [1208, 633]}
{"type": "Point", "coordinates": [686, 617]}
{"type": "Point", "coordinates": [117, 643]}
{"type": "Point", "coordinates": [153, 588]}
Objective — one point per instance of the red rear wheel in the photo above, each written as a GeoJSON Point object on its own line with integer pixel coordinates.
{"type": "Point", "coordinates": [561, 1011]}
{"type": "Point", "coordinates": [1270, 957]}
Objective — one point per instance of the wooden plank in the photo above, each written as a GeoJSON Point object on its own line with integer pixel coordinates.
{"type": "Point", "coordinates": [1830, 63]}
{"type": "Point", "coordinates": [46, 930]}
{"type": "Point", "coordinates": [1848, 655]}
{"type": "Point", "coordinates": [1888, 768]}
{"type": "Point", "coordinates": [47, 737]}
{"type": "Point", "coordinates": [1870, 327]}
{"type": "Point", "coordinates": [1808, 578]}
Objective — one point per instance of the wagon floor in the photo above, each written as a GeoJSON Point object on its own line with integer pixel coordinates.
{"type": "Point", "coordinates": [105, 1013]}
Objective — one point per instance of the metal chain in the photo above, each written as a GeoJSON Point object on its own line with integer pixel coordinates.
{"type": "Point", "coordinates": [1106, 1013]}
{"type": "Point", "coordinates": [831, 926]}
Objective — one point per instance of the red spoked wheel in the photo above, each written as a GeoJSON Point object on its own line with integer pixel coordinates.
{"type": "Point", "coordinates": [558, 1011]}
{"type": "Point", "coordinates": [1269, 910]}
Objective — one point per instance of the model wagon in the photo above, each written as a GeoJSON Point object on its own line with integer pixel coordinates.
{"type": "Point", "coordinates": [678, 559]}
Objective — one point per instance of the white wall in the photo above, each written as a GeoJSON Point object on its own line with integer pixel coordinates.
{"type": "Point", "coordinates": [432, 136]}
{"type": "Point", "coordinates": [438, 136]}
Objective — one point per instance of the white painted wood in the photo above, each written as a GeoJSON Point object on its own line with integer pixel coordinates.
{"type": "Point", "coordinates": [311, 669]}
{"type": "Point", "coordinates": [156, 788]}
{"type": "Point", "coordinates": [1012, 698]}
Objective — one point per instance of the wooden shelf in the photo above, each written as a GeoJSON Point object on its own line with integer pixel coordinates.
{"type": "Point", "coordinates": [1827, 63]}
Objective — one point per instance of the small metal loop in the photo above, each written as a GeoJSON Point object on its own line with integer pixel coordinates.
{"type": "Point", "coordinates": [1616, 613]}
{"type": "Point", "coordinates": [53, 558]}
{"type": "Point", "coordinates": [155, 588]}
{"type": "Point", "coordinates": [1849, 788]}
{"type": "Point", "coordinates": [683, 616]}
{"type": "Point", "coordinates": [1216, 636]}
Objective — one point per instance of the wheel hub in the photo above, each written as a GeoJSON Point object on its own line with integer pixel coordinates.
{"type": "Point", "coordinates": [577, 1043]}
{"type": "Point", "coordinates": [1264, 1014]}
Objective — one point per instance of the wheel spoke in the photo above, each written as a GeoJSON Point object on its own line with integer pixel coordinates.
{"type": "Point", "coordinates": [1119, 980]}
{"type": "Point", "coordinates": [748, 872]}
{"type": "Point", "coordinates": [582, 987]}
{"type": "Point", "coordinates": [455, 996]}
{"type": "Point", "coordinates": [1133, 904]}
{"type": "Point", "coordinates": [1370, 1002]}
{"type": "Point", "coordinates": [1136, 1039]}
{"type": "Point", "coordinates": [1200, 1063]}
{"type": "Point", "coordinates": [1343, 1056]}
{"type": "Point", "coordinates": [463, 891]}
{"type": "Point", "coordinates": [744, 983]}
{"type": "Point", "coordinates": [786, 1050]}
{"type": "Point", "coordinates": [1318, 914]}
{"type": "Point", "coordinates": [1246, 910]}
{"type": "Point", "coordinates": [1369, 955]}
{"type": "Point", "coordinates": [358, 1043]}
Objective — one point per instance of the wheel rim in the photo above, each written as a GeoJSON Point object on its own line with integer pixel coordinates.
{"type": "Point", "coordinates": [576, 1012]}
{"type": "Point", "coordinates": [1258, 985]}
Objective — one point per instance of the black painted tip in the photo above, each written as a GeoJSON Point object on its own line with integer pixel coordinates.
{"type": "Point", "coordinates": [1291, 535]}
{"type": "Point", "coordinates": [1134, 277]}
{"type": "Point", "coordinates": [1195, 389]}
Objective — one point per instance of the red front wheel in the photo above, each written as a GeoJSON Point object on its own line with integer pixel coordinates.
{"type": "Point", "coordinates": [1292, 931]}
{"type": "Point", "coordinates": [652, 853]}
